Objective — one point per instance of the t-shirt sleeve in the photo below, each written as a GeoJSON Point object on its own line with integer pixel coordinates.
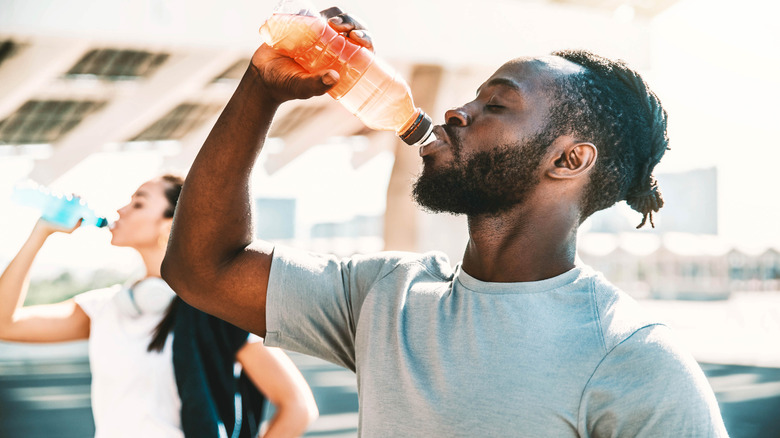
{"type": "Point", "coordinates": [94, 301]}
{"type": "Point", "coordinates": [647, 386]}
{"type": "Point", "coordinates": [313, 302]}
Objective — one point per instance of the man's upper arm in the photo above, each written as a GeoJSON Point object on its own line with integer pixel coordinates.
{"type": "Point", "coordinates": [315, 300]}
{"type": "Point", "coordinates": [234, 291]}
{"type": "Point", "coordinates": [649, 386]}
{"type": "Point", "coordinates": [310, 308]}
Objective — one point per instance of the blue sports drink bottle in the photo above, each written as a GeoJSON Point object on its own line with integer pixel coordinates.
{"type": "Point", "coordinates": [57, 208]}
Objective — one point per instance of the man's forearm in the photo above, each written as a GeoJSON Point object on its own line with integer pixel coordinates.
{"type": "Point", "coordinates": [213, 217]}
{"type": "Point", "coordinates": [209, 262]}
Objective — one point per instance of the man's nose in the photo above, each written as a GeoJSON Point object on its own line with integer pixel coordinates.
{"type": "Point", "coordinates": [457, 117]}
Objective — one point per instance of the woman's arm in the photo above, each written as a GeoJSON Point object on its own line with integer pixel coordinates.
{"type": "Point", "coordinates": [64, 321]}
{"type": "Point", "coordinates": [277, 377]}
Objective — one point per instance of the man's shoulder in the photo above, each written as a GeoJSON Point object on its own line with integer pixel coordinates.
{"type": "Point", "coordinates": [433, 263]}
{"type": "Point", "coordinates": [619, 314]}
{"type": "Point", "coordinates": [364, 269]}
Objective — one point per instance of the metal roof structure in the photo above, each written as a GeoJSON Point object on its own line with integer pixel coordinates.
{"type": "Point", "coordinates": [67, 90]}
{"type": "Point", "coordinates": [82, 76]}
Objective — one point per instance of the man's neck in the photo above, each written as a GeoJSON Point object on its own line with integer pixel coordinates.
{"type": "Point", "coordinates": [524, 244]}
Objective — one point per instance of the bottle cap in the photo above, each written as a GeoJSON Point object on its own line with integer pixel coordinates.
{"type": "Point", "coordinates": [419, 131]}
{"type": "Point", "coordinates": [296, 7]}
{"type": "Point", "coordinates": [101, 222]}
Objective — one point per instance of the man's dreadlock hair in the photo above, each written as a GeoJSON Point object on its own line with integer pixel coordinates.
{"type": "Point", "coordinates": [611, 106]}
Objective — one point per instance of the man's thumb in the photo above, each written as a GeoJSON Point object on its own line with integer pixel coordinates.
{"type": "Point", "coordinates": [330, 78]}
{"type": "Point", "coordinates": [318, 84]}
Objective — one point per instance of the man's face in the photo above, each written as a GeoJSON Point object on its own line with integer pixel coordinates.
{"type": "Point", "coordinates": [486, 157]}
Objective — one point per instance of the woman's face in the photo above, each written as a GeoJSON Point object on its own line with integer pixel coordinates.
{"type": "Point", "coordinates": [141, 224]}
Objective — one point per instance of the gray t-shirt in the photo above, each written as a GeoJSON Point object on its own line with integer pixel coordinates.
{"type": "Point", "coordinates": [439, 353]}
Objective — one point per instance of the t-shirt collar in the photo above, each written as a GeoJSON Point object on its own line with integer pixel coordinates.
{"type": "Point", "coordinates": [475, 285]}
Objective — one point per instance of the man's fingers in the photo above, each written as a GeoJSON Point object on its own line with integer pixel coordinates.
{"type": "Point", "coordinates": [349, 26]}
{"type": "Point", "coordinates": [345, 23]}
{"type": "Point", "coordinates": [362, 38]}
{"type": "Point", "coordinates": [331, 12]}
{"type": "Point", "coordinates": [316, 84]}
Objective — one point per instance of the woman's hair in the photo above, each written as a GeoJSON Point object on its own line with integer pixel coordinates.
{"type": "Point", "coordinates": [610, 105]}
{"type": "Point", "coordinates": [172, 192]}
{"type": "Point", "coordinates": [174, 184]}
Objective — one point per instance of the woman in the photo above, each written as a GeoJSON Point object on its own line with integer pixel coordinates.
{"type": "Point", "coordinates": [160, 368]}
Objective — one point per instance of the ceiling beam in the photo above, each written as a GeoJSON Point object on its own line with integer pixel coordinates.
{"type": "Point", "coordinates": [40, 61]}
{"type": "Point", "coordinates": [126, 116]}
{"type": "Point", "coordinates": [332, 121]}
{"type": "Point", "coordinates": [189, 147]}
{"type": "Point", "coordinates": [376, 142]}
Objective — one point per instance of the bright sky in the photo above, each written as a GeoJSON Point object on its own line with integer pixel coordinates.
{"type": "Point", "coordinates": [716, 67]}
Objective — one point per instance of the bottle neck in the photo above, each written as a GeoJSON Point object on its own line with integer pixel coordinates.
{"type": "Point", "coordinates": [417, 130]}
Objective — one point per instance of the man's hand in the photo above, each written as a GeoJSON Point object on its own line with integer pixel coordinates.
{"type": "Point", "coordinates": [349, 26]}
{"type": "Point", "coordinates": [284, 79]}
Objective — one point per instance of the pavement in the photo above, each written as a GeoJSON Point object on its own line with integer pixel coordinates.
{"type": "Point", "coordinates": [749, 399]}
{"type": "Point", "coordinates": [44, 389]}
{"type": "Point", "coordinates": [45, 392]}
{"type": "Point", "coordinates": [743, 330]}
{"type": "Point", "coordinates": [51, 398]}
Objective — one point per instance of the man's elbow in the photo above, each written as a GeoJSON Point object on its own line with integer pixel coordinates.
{"type": "Point", "coordinates": [172, 271]}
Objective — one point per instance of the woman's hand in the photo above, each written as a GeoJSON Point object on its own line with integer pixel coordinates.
{"type": "Point", "coordinates": [47, 228]}
{"type": "Point", "coordinates": [277, 377]}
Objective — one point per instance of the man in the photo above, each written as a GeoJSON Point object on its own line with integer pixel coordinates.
{"type": "Point", "coordinates": [517, 340]}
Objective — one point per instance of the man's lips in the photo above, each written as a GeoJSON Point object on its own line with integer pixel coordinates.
{"type": "Point", "coordinates": [442, 141]}
{"type": "Point", "coordinates": [432, 147]}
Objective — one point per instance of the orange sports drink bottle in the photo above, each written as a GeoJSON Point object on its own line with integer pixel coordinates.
{"type": "Point", "coordinates": [368, 87]}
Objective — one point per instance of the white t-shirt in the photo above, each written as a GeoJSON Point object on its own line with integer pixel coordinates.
{"type": "Point", "coordinates": [134, 392]}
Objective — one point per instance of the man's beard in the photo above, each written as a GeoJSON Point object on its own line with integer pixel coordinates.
{"type": "Point", "coordinates": [486, 183]}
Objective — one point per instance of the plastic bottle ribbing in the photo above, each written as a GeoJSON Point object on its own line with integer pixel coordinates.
{"type": "Point", "coordinates": [368, 87]}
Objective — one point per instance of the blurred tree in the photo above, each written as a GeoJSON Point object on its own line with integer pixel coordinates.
{"type": "Point", "coordinates": [66, 285]}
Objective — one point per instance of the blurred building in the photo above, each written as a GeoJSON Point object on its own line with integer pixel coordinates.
{"type": "Point", "coordinates": [274, 218]}
{"type": "Point", "coordinates": [683, 256]}
{"type": "Point", "coordinates": [690, 206]}
{"type": "Point", "coordinates": [680, 265]}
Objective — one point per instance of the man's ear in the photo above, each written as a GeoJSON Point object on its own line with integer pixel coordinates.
{"type": "Point", "coordinates": [575, 159]}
